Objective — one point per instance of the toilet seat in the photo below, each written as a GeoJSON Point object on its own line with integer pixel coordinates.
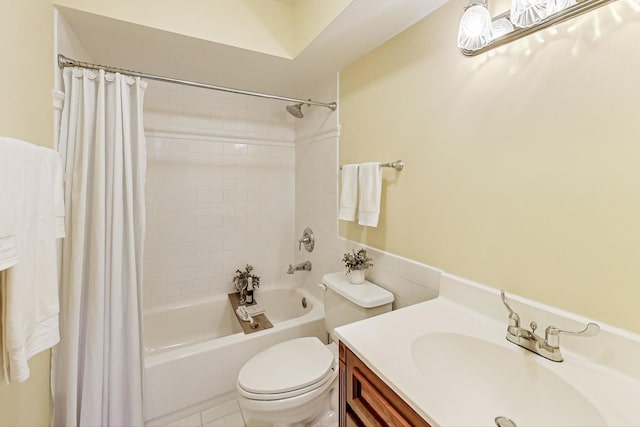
{"type": "Point", "coordinates": [290, 394]}
{"type": "Point", "coordinates": [286, 370]}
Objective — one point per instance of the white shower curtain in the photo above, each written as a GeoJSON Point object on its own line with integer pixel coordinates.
{"type": "Point", "coordinates": [97, 368]}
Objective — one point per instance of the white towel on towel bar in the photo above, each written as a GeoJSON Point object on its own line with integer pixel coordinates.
{"type": "Point", "coordinates": [370, 180]}
{"type": "Point", "coordinates": [349, 193]}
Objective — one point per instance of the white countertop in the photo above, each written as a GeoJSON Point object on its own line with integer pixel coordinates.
{"type": "Point", "coordinates": [485, 376]}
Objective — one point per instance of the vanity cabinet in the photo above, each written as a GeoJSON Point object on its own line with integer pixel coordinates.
{"type": "Point", "coordinates": [365, 400]}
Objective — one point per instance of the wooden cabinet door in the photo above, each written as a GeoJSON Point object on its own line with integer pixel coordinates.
{"type": "Point", "coordinates": [365, 400]}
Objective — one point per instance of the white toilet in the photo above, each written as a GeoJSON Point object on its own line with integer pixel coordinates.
{"type": "Point", "coordinates": [295, 382]}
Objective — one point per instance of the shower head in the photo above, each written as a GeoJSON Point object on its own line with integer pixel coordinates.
{"type": "Point", "coordinates": [295, 110]}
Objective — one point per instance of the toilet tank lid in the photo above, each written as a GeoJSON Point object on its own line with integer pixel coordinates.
{"type": "Point", "coordinates": [367, 295]}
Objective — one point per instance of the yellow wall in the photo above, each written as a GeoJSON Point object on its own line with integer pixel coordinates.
{"type": "Point", "coordinates": [26, 71]}
{"type": "Point", "coordinates": [522, 166]}
{"type": "Point", "coordinates": [26, 112]}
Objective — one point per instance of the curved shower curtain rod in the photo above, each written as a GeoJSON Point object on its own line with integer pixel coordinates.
{"type": "Point", "coordinates": [63, 62]}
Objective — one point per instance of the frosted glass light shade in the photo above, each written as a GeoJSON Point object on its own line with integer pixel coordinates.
{"type": "Point", "coordinates": [558, 5]}
{"type": "Point", "coordinates": [526, 13]}
{"type": "Point", "coordinates": [501, 27]}
{"type": "Point", "coordinates": [475, 28]}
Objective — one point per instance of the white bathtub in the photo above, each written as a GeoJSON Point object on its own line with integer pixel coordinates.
{"type": "Point", "coordinates": [194, 350]}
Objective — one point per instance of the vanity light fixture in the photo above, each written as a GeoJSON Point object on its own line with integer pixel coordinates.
{"type": "Point", "coordinates": [525, 17]}
{"type": "Point", "coordinates": [527, 13]}
{"type": "Point", "coordinates": [475, 26]}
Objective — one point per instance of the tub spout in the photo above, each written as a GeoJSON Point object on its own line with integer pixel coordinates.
{"type": "Point", "coordinates": [303, 266]}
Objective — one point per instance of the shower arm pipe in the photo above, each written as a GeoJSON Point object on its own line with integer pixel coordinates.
{"type": "Point", "coordinates": [64, 62]}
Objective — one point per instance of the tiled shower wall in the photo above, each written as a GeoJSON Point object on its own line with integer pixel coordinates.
{"type": "Point", "coordinates": [317, 138]}
{"type": "Point", "coordinates": [219, 194]}
{"type": "Point", "coordinates": [227, 186]}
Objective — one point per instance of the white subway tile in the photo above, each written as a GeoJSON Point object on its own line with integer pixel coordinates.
{"type": "Point", "coordinates": [203, 259]}
{"type": "Point", "coordinates": [208, 201]}
{"type": "Point", "coordinates": [168, 291]}
{"type": "Point", "coordinates": [235, 149]}
{"type": "Point", "coordinates": [235, 196]}
{"type": "Point", "coordinates": [195, 287]}
{"type": "Point", "coordinates": [223, 184]}
{"type": "Point", "coordinates": [209, 246]}
{"type": "Point", "coordinates": [209, 196]}
{"type": "Point", "coordinates": [209, 271]}
{"type": "Point", "coordinates": [209, 220]}
{"type": "Point", "coordinates": [257, 196]}
{"type": "Point", "coordinates": [206, 208]}
{"type": "Point", "coordinates": [247, 184]}
{"type": "Point", "coordinates": [196, 183]}
{"type": "Point", "coordinates": [236, 219]}
{"type": "Point", "coordinates": [155, 279]}
{"type": "Point", "coordinates": [223, 159]}
{"type": "Point", "coordinates": [235, 244]}
{"type": "Point", "coordinates": [182, 275]}
{"type": "Point", "coordinates": [235, 172]}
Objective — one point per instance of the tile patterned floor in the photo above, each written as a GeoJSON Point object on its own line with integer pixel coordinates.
{"type": "Point", "coordinates": [225, 415]}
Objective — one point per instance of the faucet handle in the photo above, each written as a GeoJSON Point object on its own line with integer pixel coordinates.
{"type": "Point", "coordinates": [504, 301]}
{"type": "Point", "coordinates": [552, 334]}
{"type": "Point", "coordinates": [304, 240]}
{"type": "Point", "coordinates": [513, 316]}
{"type": "Point", "coordinates": [307, 239]}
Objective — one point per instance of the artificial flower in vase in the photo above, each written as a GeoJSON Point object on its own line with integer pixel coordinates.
{"type": "Point", "coordinates": [357, 262]}
{"type": "Point", "coordinates": [245, 282]}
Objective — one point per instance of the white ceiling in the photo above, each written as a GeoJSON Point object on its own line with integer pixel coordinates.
{"type": "Point", "coordinates": [364, 25]}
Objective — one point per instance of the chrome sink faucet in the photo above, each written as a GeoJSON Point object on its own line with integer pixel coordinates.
{"type": "Point", "coordinates": [549, 346]}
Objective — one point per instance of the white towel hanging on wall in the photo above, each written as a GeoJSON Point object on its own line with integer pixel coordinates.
{"type": "Point", "coordinates": [349, 193]}
{"type": "Point", "coordinates": [30, 287]}
{"type": "Point", "coordinates": [8, 244]}
{"type": "Point", "coordinates": [370, 182]}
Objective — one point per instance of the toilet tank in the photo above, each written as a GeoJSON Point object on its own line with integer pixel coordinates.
{"type": "Point", "coordinates": [346, 303]}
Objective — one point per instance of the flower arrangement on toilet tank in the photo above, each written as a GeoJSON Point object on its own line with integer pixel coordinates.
{"type": "Point", "coordinates": [357, 262]}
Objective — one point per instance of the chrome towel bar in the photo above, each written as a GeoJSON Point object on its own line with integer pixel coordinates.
{"type": "Point", "coordinates": [397, 165]}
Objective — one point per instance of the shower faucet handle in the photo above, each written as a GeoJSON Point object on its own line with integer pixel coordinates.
{"type": "Point", "coordinates": [301, 241]}
{"type": "Point", "coordinates": [307, 239]}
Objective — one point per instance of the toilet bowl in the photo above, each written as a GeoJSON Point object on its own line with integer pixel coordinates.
{"type": "Point", "coordinates": [295, 383]}
{"type": "Point", "coordinates": [290, 383]}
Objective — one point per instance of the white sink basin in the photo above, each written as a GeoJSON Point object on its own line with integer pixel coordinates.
{"type": "Point", "coordinates": [498, 381]}
{"type": "Point", "coordinates": [449, 360]}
